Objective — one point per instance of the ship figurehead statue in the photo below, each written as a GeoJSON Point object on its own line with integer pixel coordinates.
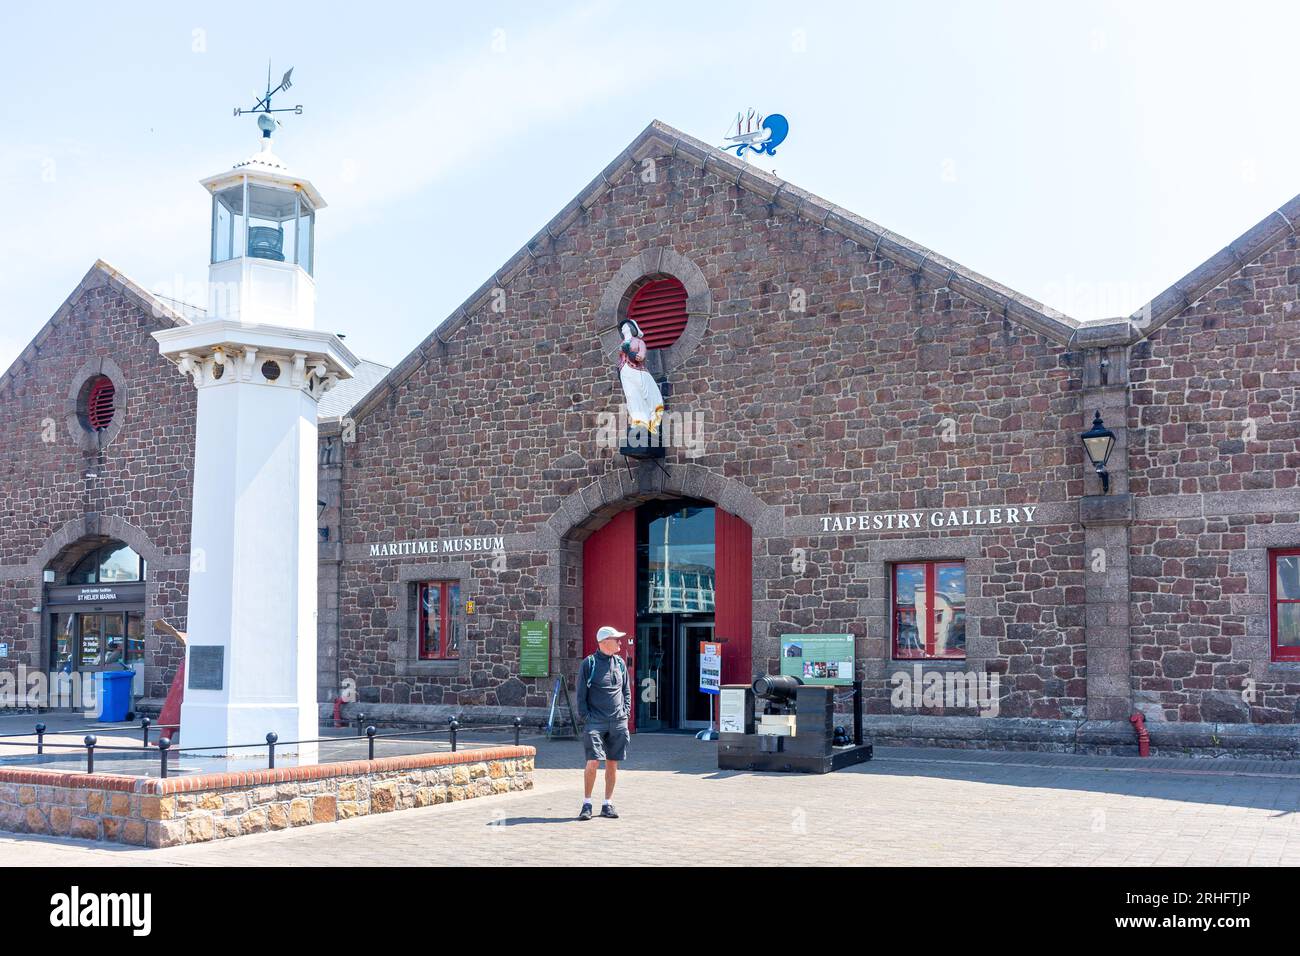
{"type": "Point", "coordinates": [641, 395]}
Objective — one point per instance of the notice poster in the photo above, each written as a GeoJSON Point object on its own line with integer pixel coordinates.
{"type": "Point", "coordinates": [534, 648]}
{"type": "Point", "coordinates": [710, 667]}
{"type": "Point", "coordinates": [731, 711]}
{"type": "Point", "coordinates": [818, 658]}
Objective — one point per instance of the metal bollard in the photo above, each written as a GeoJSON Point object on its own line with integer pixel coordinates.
{"type": "Point", "coordinates": [40, 739]}
{"type": "Point", "coordinates": [163, 744]}
{"type": "Point", "coordinates": [370, 732]}
{"type": "Point", "coordinates": [144, 729]}
{"type": "Point", "coordinates": [271, 738]}
{"type": "Point", "coordinates": [453, 725]}
{"type": "Point", "coordinates": [519, 722]}
{"type": "Point", "coordinates": [361, 723]}
{"type": "Point", "coordinates": [90, 742]}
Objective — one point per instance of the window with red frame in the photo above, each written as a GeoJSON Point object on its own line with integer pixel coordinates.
{"type": "Point", "coordinates": [1284, 603]}
{"type": "Point", "coordinates": [929, 610]}
{"type": "Point", "coordinates": [440, 620]}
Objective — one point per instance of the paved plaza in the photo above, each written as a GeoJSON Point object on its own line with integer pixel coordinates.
{"type": "Point", "coordinates": [908, 807]}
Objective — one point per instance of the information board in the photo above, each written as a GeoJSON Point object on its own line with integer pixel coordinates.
{"type": "Point", "coordinates": [818, 658]}
{"type": "Point", "coordinates": [534, 648]}
{"type": "Point", "coordinates": [731, 711]}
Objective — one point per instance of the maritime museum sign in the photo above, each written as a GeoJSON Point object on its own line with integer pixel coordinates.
{"type": "Point", "coordinates": [921, 520]}
{"type": "Point", "coordinates": [431, 546]}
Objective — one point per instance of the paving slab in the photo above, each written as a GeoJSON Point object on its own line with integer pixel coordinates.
{"type": "Point", "coordinates": [908, 807]}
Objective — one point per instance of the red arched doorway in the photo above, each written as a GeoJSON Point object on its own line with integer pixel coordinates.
{"type": "Point", "coordinates": [670, 574]}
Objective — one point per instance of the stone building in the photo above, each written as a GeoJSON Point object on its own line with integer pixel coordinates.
{"type": "Point", "coordinates": [866, 439]}
{"type": "Point", "coordinates": [863, 438]}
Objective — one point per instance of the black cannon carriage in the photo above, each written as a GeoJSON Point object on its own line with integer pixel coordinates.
{"type": "Point", "coordinates": [779, 723]}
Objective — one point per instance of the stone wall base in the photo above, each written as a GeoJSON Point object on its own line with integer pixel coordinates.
{"type": "Point", "coordinates": [197, 808]}
{"type": "Point", "coordinates": [1106, 737]}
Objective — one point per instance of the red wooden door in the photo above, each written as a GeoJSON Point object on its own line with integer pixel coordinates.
{"type": "Point", "coordinates": [733, 601]}
{"type": "Point", "coordinates": [609, 589]}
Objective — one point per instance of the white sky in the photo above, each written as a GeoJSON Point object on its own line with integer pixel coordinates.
{"type": "Point", "coordinates": [1088, 154]}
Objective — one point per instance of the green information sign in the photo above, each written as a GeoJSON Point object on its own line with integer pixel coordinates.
{"type": "Point", "coordinates": [534, 648]}
{"type": "Point", "coordinates": [818, 658]}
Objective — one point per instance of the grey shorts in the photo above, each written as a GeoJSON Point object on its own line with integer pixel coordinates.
{"type": "Point", "coordinates": [605, 740]}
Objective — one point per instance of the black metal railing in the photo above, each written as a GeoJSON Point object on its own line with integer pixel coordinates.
{"type": "Point", "coordinates": [163, 747]}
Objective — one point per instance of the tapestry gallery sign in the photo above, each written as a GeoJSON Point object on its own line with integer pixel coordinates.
{"type": "Point", "coordinates": [937, 518]}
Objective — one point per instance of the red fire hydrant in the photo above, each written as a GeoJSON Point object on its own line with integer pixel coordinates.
{"type": "Point", "coordinates": [1144, 739]}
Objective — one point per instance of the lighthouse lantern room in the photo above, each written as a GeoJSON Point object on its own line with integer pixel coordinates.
{"type": "Point", "coordinates": [263, 240]}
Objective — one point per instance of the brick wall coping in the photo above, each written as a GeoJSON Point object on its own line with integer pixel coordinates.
{"type": "Point", "coordinates": [188, 783]}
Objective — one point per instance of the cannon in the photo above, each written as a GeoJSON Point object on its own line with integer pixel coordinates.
{"type": "Point", "coordinates": [777, 688]}
{"type": "Point", "coordinates": [780, 723]}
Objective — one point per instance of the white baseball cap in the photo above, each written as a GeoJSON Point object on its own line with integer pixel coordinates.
{"type": "Point", "coordinates": [607, 633]}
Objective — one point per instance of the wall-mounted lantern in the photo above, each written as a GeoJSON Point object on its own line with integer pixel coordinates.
{"type": "Point", "coordinates": [1098, 442]}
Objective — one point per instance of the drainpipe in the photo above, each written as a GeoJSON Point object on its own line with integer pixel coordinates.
{"type": "Point", "coordinates": [1144, 738]}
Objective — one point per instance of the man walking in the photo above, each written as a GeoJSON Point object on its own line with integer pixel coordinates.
{"type": "Point", "coordinates": [604, 704]}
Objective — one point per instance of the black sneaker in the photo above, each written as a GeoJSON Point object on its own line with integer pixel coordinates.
{"type": "Point", "coordinates": [586, 812]}
{"type": "Point", "coordinates": [608, 811]}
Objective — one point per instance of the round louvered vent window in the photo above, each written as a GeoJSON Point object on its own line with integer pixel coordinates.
{"type": "Point", "coordinates": [99, 403]}
{"type": "Point", "coordinates": [659, 309]}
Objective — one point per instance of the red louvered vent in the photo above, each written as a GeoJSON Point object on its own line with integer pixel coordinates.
{"type": "Point", "coordinates": [659, 308]}
{"type": "Point", "coordinates": [99, 404]}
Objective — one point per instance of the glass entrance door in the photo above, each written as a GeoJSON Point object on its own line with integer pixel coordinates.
{"type": "Point", "coordinates": [653, 709]}
{"type": "Point", "coordinates": [694, 705]}
{"type": "Point", "coordinates": [92, 641]}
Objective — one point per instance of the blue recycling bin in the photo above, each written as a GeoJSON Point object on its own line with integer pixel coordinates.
{"type": "Point", "coordinates": [115, 696]}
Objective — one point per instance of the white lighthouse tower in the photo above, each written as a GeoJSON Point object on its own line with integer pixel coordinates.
{"type": "Point", "coordinates": [260, 368]}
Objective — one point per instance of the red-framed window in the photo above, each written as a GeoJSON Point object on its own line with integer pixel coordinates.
{"type": "Point", "coordinates": [659, 310]}
{"type": "Point", "coordinates": [928, 610]}
{"type": "Point", "coordinates": [99, 403]}
{"type": "Point", "coordinates": [1284, 603]}
{"type": "Point", "coordinates": [440, 621]}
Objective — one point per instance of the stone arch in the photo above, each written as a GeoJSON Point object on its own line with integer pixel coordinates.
{"type": "Point", "coordinates": [657, 262]}
{"type": "Point", "coordinates": [96, 527]}
{"type": "Point", "coordinates": [94, 530]}
{"type": "Point", "coordinates": [589, 508]}
{"type": "Point", "coordinates": [592, 506]}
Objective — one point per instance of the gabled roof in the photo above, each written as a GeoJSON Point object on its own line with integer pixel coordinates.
{"type": "Point", "coordinates": [659, 139]}
{"type": "Point", "coordinates": [1229, 260]}
{"type": "Point", "coordinates": [100, 274]}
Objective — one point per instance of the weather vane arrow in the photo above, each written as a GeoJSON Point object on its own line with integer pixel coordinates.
{"type": "Point", "coordinates": [263, 105]}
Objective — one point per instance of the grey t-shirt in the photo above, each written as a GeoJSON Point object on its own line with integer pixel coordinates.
{"type": "Point", "coordinates": [604, 689]}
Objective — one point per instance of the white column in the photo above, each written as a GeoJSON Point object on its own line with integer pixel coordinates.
{"type": "Point", "coordinates": [252, 587]}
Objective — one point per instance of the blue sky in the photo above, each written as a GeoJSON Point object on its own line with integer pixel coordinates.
{"type": "Point", "coordinates": [1087, 154]}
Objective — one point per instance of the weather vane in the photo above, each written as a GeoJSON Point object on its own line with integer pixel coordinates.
{"type": "Point", "coordinates": [758, 133]}
{"type": "Point", "coordinates": [263, 105]}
